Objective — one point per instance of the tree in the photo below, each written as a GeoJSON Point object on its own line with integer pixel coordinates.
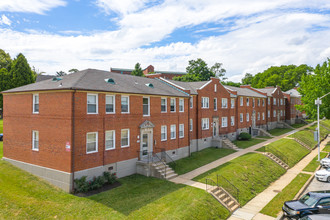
{"type": "Point", "coordinates": [5, 83]}
{"type": "Point", "coordinates": [247, 80]}
{"type": "Point", "coordinates": [137, 70]}
{"type": "Point", "coordinates": [313, 86]}
{"type": "Point", "coordinates": [218, 71]}
{"type": "Point", "coordinates": [230, 83]}
{"type": "Point", "coordinates": [73, 70]}
{"type": "Point", "coordinates": [20, 72]}
{"type": "Point", "coordinates": [5, 60]}
{"type": "Point", "coordinates": [61, 73]}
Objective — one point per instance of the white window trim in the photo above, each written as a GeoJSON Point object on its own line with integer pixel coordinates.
{"type": "Point", "coordinates": [232, 103]}
{"type": "Point", "coordinates": [247, 101]}
{"type": "Point", "coordinates": [182, 105]}
{"type": "Point", "coordinates": [128, 136]}
{"type": "Point", "coordinates": [215, 87]}
{"type": "Point", "coordinates": [191, 124]}
{"type": "Point", "coordinates": [128, 108]}
{"type": "Point", "coordinates": [165, 105]}
{"type": "Point", "coordinates": [224, 100]}
{"type": "Point", "coordinates": [241, 101]}
{"type": "Point", "coordinates": [191, 102]}
{"type": "Point", "coordinates": [208, 123]}
{"type": "Point", "coordinates": [268, 114]}
{"type": "Point", "coordinates": [146, 97]}
{"type": "Point", "coordinates": [114, 104]}
{"type": "Point", "coordinates": [263, 116]}
{"type": "Point", "coordinates": [182, 131]}
{"type": "Point", "coordinates": [173, 126]}
{"type": "Point", "coordinates": [222, 122]}
{"type": "Point", "coordinates": [33, 137]}
{"type": "Point", "coordinates": [247, 117]}
{"type": "Point", "coordinates": [97, 103]}
{"type": "Point", "coordinates": [174, 105]}
{"type": "Point", "coordinates": [205, 105]}
{"type": "Point", "coordinates": [241, 119]}
{"type": "Point", "coordinates": [163, 126]}
{"type": "Point", "coordinates": [96, 142]}
{"type": "Point", "coordinates": [258, 116]}
{"type": "Point", "coordinates": [232, 120]}
{"type": "Point", "coordinates": [114, 140]}
{"type": "Point", "coordinates": [33, 102]}
{"type": "Point", "coordinates": [215, 104]}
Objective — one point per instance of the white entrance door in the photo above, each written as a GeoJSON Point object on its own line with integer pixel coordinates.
{"type": "Point", "coordinates": [215, 127]}
{"type": "Point", "coordinates": [146, 143]}
{"type": "Point", "coordinates": [253, 119]}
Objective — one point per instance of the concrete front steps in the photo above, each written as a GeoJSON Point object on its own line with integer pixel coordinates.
{"type": "Point", "coordinates": [163, 171]}
{"type": "Point", "coordinates": [285, 125]}
{"type": "Point", "coordinates": [276, 160]}
{"type": "Point", "coordinates": [302, 144]}
{"type": "Point", "coordinates": [224, 198]}
{"type": "Point", "coordinates": [229, 144]}
{"type": "Point", "coordinates": [263, 132]}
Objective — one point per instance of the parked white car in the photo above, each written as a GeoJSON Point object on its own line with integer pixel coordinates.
{"type": "Point", "coordinates": [325, 162]}
{"type": "Point", "coordinates": [323, 175]}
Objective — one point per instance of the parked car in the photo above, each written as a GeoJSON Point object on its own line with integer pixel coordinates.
{"type": "Point", "coordinates": [1, 137]}
{"type": "Point", "coordinates": [311, 203]}
{"type": "Point", "coordinates": [325, 162]}
{"type": "Point", "coordinates": [316, 217]}
{"type": "Point", "coordinates": [323, 175]}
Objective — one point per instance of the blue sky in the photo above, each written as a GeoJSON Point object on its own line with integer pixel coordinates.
{"type": "Point", "coordinates": [246, 36]}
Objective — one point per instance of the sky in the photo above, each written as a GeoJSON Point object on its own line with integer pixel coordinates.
{"type": "Point", "coordinates": [245, 36]}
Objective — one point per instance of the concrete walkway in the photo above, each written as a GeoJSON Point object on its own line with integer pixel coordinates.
{"type": "Point", "coordinates": [252, 208]}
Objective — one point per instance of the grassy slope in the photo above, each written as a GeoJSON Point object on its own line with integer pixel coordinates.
{"type": "Point", "coordinates": [1, 126]}
{"type": "Point", "coordinates": [305, 136]}
{"type": "Point", "coordinates": [288, 193]}
{"type": "Point", "coordinates": [279, 131]}
{"type": "Point", "coordinates": [290, 148]}
{"type": "Point", "coordinates": [246, 144]}
{"type": "Point", "coordinates": [250, 173]}
{"type": "Point", "coordinates": [198, 159]}
{"type": "Point", "coordinates": [311, 167]}
{"type": "Point", "coordinates": [298, 125]}
{"type": "Point", "coordinates": [327, 148]}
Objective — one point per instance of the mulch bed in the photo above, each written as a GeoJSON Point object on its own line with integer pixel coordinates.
{"type": "Point", "coordinates": [96, 191]}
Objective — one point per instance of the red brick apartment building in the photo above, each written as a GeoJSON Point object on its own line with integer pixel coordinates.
{"type": "Point", "coordinates": [93, 121]}
{"type": "Point", "coordinates": [150, 72]}
{"type": "Point", "coordinates": [293, 98]}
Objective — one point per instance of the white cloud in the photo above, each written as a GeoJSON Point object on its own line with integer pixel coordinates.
{"type": "Point", "coordinates": [31, 6]}
{"type": "Point", "coordinates": [120, 6]}
{"type": "Point", "coordinates": [5, 20]}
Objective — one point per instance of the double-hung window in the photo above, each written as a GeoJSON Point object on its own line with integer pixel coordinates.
{"type": "Point", "coordinates": [281, 113]}
{"type": "Point", "coordinates": [125, 104]}
{"type": "Point", "coordinates": [232, 103]}
{"type": "Point", "coordinates": [224, 122]}
{"type": "Point", "coordinates": [247, 117]}
{"type": "Point", "coordinates": [124, 137]}
{"type": "Point", "coordinates": [173, 105]}
{"type": "Point", "coordinates": [91, 142]}
{"type": "Point", "coordinates": [146, 106]}
{"type": "Point", "coordinates": [274, 113]}
{"type": "Point", "coordinates": [263, 116]}
{"type": "Point", "coordinates": [181, 105]}
{"type": "Point", "coordinates": [35, 140]}
{"type": "Point", "coordinates": [35, 103]}
{"type": "Point", "coordinates": [173, 131]}
{"type": "Point", "coordinates": [263, 102]}
{"type": "Point", "coordinates": [241, 101]}
{"type": "Point", "coordinates": [163, 104]}
{"type": "Point", "coordinates": [281, 101]}
{"type": "Point", "coordinates": [205, 123]}
{"type": "Point", "coordinates": [191, 101]}
{"type": "Point", "coordinates": [232, 120]}
{"type": "Point", "coordinates": [92, 102]}
{"type": "Point", "coordinates": [274, 101]}
{"type": "Point", "coordinates": [253, 103]}
{"type": "Point", "coordinates": [205, 102]}
{"type": "Point", "coordinates": [163, 133]}
{"type": "Point", "coordinates": [215, 104]}
{"type": "Point", "coordinates": [258, 102]}
{"type": "Point", "coordinates": [258, 116]}
{"type": "Point", "coordinates": [110, 104]}
{"type": "Point", "coordinates": [110, 140]}
{"type": "Point", "coordinates": [247, 101]}
{"type": "Point", "coordinates": [191, 124]}
{"type": "Point", "coordinates": [224, 103]}
{"type": "Point", "coordinates": [268, 113]}
{"type": "Point", "coordinates": [181, 130]}
{"type": "Point", "coordinates": [268, 100]}
{"type": "Point", "coordinates": [241, 117]}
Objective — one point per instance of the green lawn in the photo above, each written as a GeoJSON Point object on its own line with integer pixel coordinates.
{"type": "Point", "coordinates": [297, 125]}
{"type": "Point", "coordinates": [246, 144]}
{"type": "Point", "coordinates": [305, 136]}
{"type": "Point", "coordinates": [264, 137]}
{"type": "Point", "coordinates": [279, 131]}
{"type": "Point", "coordinates": [288, 193]}
{"type": "Point", "coordinates": [1, 126]}
{"type": "Point", "coordinates": [327, 147]}
{"type": "Point", "coordinates": [311, 167]}
{"type": "Point", "coordinates": [289, 148]}
{"type": "Point", "coordinates": [250, 173]}
{"type": "Point", "coordinates": [200, 158]}
{"type": "Point", "coordinates": [24, 196]}
{"type": "Point", "coordinates": [323, 131]}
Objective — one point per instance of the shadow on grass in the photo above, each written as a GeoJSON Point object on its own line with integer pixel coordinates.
{"type": "Point", "coordinates": [135, 192]}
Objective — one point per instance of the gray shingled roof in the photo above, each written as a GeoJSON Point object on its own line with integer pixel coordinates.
{"type": "Point", "coordinates": [94, 80]}
{"type": "Point", "coordinates": [245, 92]}
{"type": "Point", "coordinates": [268, 91]}
{"type": "Point", "coordinates": [192, 86]}
{"type": "Point", "coordinates": [43, 77]}
{"type": "Point", "coordinates": [293, 93]}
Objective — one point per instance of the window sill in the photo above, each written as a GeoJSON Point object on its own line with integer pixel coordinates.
{"type": "Point", "coordinates": [91, 152]}
{"type": "Point", "coordinates": [124, 112]}
{"type": "Point", "coordinates": [204, 129]}
{"type": "Point", "coordinates": [173, 138]}
{"type": "Point", "coordinates": [146, 115]}
{"type": "Point", "coordinates": [181, 137]}
{"type": "Point", "coordinates": [163, 112]}
{"type": "Point", "coordinates": [36, 150]}
{"type": "Point", "coordinates": [164, 140]}
{"type": "Point", "coordinates": [88, 113]}
{"type": "Point", "coordinates": [35, 113]}
{"type": "Point", "coordinates": [110, 149]}
{"type": "Point", "coordinates": [124, 146]}
{"type": "Point", "coordinates": [110, 113]}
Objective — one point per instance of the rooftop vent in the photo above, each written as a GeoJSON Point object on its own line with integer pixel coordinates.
{"type": "Point", "coordinates": [57, 79]}
{"type": "Point", "coordinates": [111, 81]}
{"type": "Point", "coordinates": [150, 85]}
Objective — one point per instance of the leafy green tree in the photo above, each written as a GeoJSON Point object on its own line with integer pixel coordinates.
{"type": "Point", "coordinates": [5, 60]}
{"type": "Point", "coordinates": [313, 86]}
{"type": "Point", "coordinates": [218, 71]}
{"type": "Point", "coordinates": [73, 70]}
{"type": "Point", "coordinates": [5, 83]}
{"type": "Point", "coordinates": [20, 72]}
{"type": "Point", "coordinates": [61, 73]}
{"type": "Point", "coordinates": [247, 80]}
{"type": "Point", "coordinates": [137, 70]}
{"type": "Point", "coordinates": [230, 83]}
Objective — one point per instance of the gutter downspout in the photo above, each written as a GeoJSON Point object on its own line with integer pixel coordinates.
{"type": "Point", "coordinates": [73, 139]}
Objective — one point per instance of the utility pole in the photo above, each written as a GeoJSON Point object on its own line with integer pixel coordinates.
{"type": "Point", "coordinates": [318, 102]}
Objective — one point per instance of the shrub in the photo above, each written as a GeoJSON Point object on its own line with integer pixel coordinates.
{"type": "Point", "coordinates": [110, 177]}
{"type": "Point", "coordinates": [81, 185]}
{"type": "Point", "coordinates": [244, 136]}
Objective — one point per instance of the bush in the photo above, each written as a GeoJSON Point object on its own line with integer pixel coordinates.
{"type": "Point", "coordinates": [110, 177]}
{"type": "Point", "coordinates": [244, 136]}
{"type": "Point", "coordinates": [81, 185]}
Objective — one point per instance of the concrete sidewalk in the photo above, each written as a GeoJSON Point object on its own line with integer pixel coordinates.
{"type": "Point", "coordinates": [251, 209]}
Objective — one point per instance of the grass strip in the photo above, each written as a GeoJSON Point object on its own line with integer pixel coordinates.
{"type": "Point", "coordinates": [311, 167]}
{"type": "Point", "coordinates": [249, 143]}
{"type": "Point", "coordinates": [200, 158]}
{"type": "Point", "coordinates": [288, 193]}
{"type": "Point", "coordinates": [297, 125]}
{"type": "Point", "coordinates": [279, 131]}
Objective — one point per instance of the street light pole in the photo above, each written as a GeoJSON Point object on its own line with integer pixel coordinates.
{"type": "Point", "coordinates": [318, 102]}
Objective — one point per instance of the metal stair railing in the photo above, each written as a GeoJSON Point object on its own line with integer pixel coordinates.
{"type": "Point", "coordinates": [160, 160]}
{"type": "Point", "coordinates": [167, 157]}
{"type": "Point", "coordinates": [276, 153]}
{"type": "Point", "coordinates": [207, 183]}
{"type": "Point", "coordinates": [232, 189]}
{"type": "Point", "coordinates": [309, 143]}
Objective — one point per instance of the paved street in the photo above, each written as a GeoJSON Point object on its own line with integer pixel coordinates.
{"type": "Point", "coordinates": [316, 185]}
